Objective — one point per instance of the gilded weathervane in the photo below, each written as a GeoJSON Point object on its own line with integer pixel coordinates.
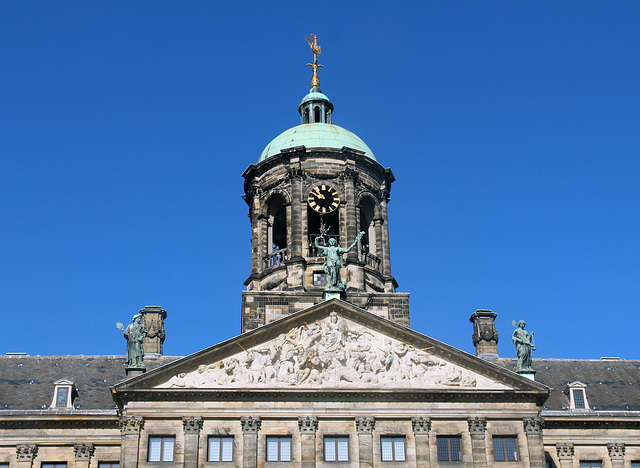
{"type": "Point", "coordinates": [312, 40]}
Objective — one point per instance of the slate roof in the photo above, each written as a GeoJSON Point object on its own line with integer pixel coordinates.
{"type": "Point", "coordinates": [26, 382]}
{"type": "Point", "coordinates": [612, 385]}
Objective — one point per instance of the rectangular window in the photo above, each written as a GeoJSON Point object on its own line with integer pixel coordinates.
{"type": "Point", "coordinates": [635, 464]}
{"type": "Point", "coordinates": [109, 465]}
{"type": "Point", "coordinates": [449, 448]}
{"type": "Point", "coordinates": [336, 448]}
{"type": "Point", "coordinates": [279, 448]}
{"type": "Point", "coordinates": [590, 464]}
{"type": "Point", "coordinates": [505, 448]}
{"type": "Point", "coordinates": [578, 398]}
{"type": "Point", "coordinates": [318, 279]}
{"type": "Point", "coordinates": [161, 448]}
{"type": "Point", "coordinates": [220, 449]}
{"type": "Point", "coordinates": [54, 465]}
{"type": "Point", "coordinates": [392, 448]}
{"type": "Point", "coordinates": [62, 396]}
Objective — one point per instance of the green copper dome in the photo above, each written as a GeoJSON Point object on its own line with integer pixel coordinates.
{"type": "Point", "coordinates": [315, 135]}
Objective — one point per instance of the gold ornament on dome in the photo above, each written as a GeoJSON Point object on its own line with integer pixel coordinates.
{"type": "Point", "coordinates": [312, 40]}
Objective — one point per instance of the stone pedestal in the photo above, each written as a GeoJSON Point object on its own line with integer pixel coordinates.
{"type": "Point", "coordinates": [308, 426]}
{"type": "Point", "coordinates": [25, 454]}
{"type": "Point", "coordinates": [191, 427]}
{"type": "Point", "coordinates": [153, 320]}
{"type": "Point", "coordinates": [365, 427]}
{"type": "Point", "coordinates": [130, 427]}
{"type": "Point", "coordinates": [478, 429]}
{"type": "Point", "coordinates": [326, 295]}
{"type": "Point", "coordinates": [533, 430]}
{"type": "Point", "coordinates": [485, 336]}
{"type": "Point", "coordinates": [421, 427]}
{"type": "Point", "coordinates": [250, 428]}
{"type": "Point", "coordinates": [529, 374]}
{"type": "Point", "coordinates": [133, 371]}
{"type": "Point", "coordinates": [565, 454]}
{"type": "Point", "coordinates": [84, 452]}
{"type": "Point", "coordinates": [616, 453]}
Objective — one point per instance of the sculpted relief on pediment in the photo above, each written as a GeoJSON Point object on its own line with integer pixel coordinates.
{"type": "Point", "coordinates": [331, 353]}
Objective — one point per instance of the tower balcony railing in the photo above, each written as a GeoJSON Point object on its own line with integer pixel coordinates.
{"type": "Point", "coordinates": [370, 259]}
{"type": "Point", "coordinates": [315, 252]}
{"type": "Point", "coordinates": [275, 258]}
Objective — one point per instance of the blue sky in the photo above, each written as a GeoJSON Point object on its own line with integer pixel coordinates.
{"type": "Point", "coordinates": [511, 128]}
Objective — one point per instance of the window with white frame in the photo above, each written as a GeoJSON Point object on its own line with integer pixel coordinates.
{"type": "Point", "coordinates": [392, 448]}
{"type": "Point", "coordinates": [279, 448]}
{"type": "Point", "coordinates": [577, 393]}
{"type": "Point", "coordinates": [63, 394]}
{"type": "Point", "coordinates": [161, 448]}
{"type": "Point", "coordinates": [220, 449]}
{"type": "Point", "coordinates": [449, 448]}
{"type": "Point", "coordinates": [505, 448]}
{"type": "Point", "coordinates": [336, 448]}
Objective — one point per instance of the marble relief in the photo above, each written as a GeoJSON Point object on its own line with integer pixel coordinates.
{"type": "Point", "coordinates": [333, 352]}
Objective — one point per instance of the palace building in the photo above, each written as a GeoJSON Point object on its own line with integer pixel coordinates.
{"type": "Point", "coordinates": [327, 371]}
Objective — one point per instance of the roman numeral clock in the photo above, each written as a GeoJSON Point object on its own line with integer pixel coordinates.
{"type": "Point", "coordinates": [323, 199]}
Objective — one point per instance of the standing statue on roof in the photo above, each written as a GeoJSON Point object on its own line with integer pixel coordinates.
{"type": "Point", "coordinates": [135, 334]}
{"type": "Point", "coordinates": [524, 345]}
{"type": "Point", "coordinates": [334, 262]}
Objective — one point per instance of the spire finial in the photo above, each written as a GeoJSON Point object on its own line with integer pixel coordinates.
{"type": "Point", "coordinates": [312, 40]}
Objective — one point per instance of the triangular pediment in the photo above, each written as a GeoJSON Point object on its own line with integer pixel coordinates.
{"type": "Point", "coordinates": [333, 345]}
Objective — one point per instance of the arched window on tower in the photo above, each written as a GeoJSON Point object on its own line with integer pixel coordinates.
{"type": "Point", "coordinates": [276, 231]}
{"type": "Point", "coordinates": [368, 243]}
{"type": "Point", "coordinates": [316, 114]}
{"type": "Point", "coordinates": [305, 118]}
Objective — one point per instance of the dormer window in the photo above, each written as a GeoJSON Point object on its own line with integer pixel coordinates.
{"type": "Point", "coordinates": [576, 391]}
{"type": "Point", "coordinates": [64, 392]}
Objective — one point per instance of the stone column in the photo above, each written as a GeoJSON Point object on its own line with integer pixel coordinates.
{"type": "Point", "coordinates": [308, 426]}
{"type": "Point", "coordinates": [295, 173]}
{"type": "Point", "coordinates": [365, 427]}
{"type": "Point", "coordinates": [533, 429]}
{"type": "Point", "coordinates": [421, 427]}
{"type": "Point", "coordinates": [191, 426]}
{"type": "Point", "coordinates": [478, 429]}
{"type": "Point", "coordinates": [257, 220]}
{"type": "Point", "coordinates": [616, 453]}
{"type": "Point", "coordinates": [84, 452]}
{"type": "Point", "coordinates": [26, 454]}
{"type": "Point", "coordinates": [250, 427]}
{"type": "Point", "coordinates": [385, 251]}
{"type": "Point", "coordinates": [565, 454]}
{"type": "Point", "coordinates": [130, 427]}
{"type": "Point", "coordinates": [351, 222]}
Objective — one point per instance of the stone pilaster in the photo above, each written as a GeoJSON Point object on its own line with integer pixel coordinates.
{"type": "Point", "coordinates": [295, 174]}
{"type": "Point", "coordinates": [485, 336]}
{"type": "Point", "coordinates": [533, 430]}
{"type": "Point", "coordinates": [351, 224]}
{"type": "Point", "coordinates": [84, 452]}
{"type": "Point", "coordinates": [478, 430]}
{"type": "Point", "coordinates": [565, 454]}
{"type": "Point", "coordinates": [365, 427]}
{"type": "Point", "coordinates": [191, 426]}
{"type": "Point", "coordinates": [616, 453]}
{"type": "Point", "coordinates": [130, 427]}
{"type": "Point", "coordinates": [25, 454]}
{"type": "Point", "coordinates": [250, 427]}
{"type": "Point", "coordinates": [308, 426]}
{"type": "Point", "coordinates": [421, 427]}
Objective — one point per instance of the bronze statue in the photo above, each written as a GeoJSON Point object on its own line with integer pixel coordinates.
{"type": "Point", "coordinates": [524, 345]}
{"type": "Point", "coordinates": [334, 262]}
{"type": "Point", "coordinates": [135, 335]}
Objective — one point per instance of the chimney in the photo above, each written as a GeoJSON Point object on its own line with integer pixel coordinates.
{"type": "Point", "coordinates": [485, 336]}
{"type": "Point", "coordinates": [153, 320]}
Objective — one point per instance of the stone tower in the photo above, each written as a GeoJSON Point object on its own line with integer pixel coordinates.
{"type": "Point", "coordinates": [311, 178]}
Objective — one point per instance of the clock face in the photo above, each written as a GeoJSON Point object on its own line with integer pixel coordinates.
{"type": "Point", "coordinates": [323, 199]}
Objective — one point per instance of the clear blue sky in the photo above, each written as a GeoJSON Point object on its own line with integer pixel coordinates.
{"type": "Point", "coordinates": [512, 129]}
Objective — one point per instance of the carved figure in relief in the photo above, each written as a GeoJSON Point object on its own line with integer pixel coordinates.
{"type": "Point", "coordinates": [333, 353]}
